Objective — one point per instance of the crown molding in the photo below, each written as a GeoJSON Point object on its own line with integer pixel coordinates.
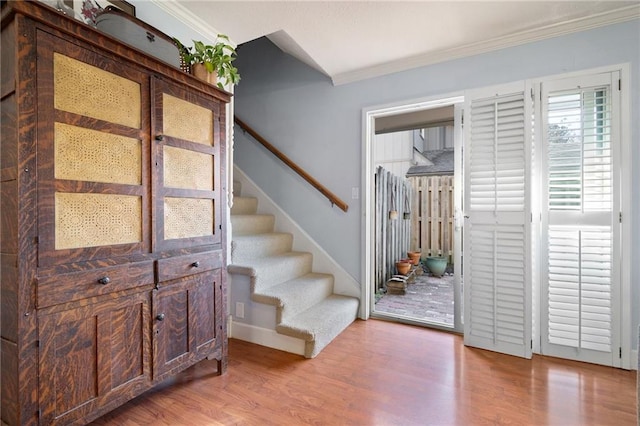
{"type": "Point", "coordinates": [624, 14]}
{"type": "Point", "coordinates": [189, 19]}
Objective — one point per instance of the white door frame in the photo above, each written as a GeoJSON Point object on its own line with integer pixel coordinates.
{"type": "Point", "coordinates": [368, 199]}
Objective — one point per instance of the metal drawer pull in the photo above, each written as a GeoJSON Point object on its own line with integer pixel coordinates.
{"type": "Point", "coordinates": [160, 317]}
{"type": "Point", "coordinates": [195, 264]}
{"type": "Point", "coordinates": [151, 37]}
{"type": "Point", "coordinates": [104, 280]}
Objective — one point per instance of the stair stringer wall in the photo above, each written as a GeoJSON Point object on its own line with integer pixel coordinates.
{"type": "Point", "coordinates": [344, 283]}
{"type": "Point", "coordinates": [247, 328]}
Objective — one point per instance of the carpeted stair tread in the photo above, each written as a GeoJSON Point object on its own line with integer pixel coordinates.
{"type": "Point", "coordinates": [294, 296]}
{"type": "Point", "coordinates": [247, 224]}
{"type": "Point", "coordinates": [268, 271]}
{"type": "Point", "coordinates": [244, 205]}
{"type": "Point", "coordinates": [260, 245]}
{"type": "Point", "coordinates": [321, 323]}
{"type": "Point", "coordinates": [305, 305]}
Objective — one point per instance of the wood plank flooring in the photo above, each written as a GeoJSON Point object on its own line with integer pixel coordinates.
{"type": "Point", "coordinates": [384, 373]}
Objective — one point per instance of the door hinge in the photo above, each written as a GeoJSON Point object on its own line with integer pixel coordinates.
{"type": "Point", "coordinates": [36, 240]}
{"type": "Point", "coordinates": [620, 217]}
{"type": "Point", "coordinates": [619, 84]}
{"type": "Point", "coordinates": [38, 344]}
{"type": "Point", "coordinates": [531, 343]}
{"type": "Point", "coordinates": [533, 95]}
{"type": "Point", "coordinates": [620, 352]}
{"type": "Point", "coordinates": [220, 227]}
{"type": "Point", "coordinates": [39, 413]}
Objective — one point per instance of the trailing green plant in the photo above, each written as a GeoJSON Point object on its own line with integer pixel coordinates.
{"type": "Point", "coordinates": [217, 58]}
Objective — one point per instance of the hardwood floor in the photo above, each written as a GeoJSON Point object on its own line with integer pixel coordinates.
{"type": "Point", "coordinates": [384, 373]}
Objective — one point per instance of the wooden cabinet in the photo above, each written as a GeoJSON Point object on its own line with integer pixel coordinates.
{"type": "Point", "coordinates": [112, 248]}
{"type": "Point", "coordinates": [90, 355]}
{"type": "Point", "coordinates": [184, 332]}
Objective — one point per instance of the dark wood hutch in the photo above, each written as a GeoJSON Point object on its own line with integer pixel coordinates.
{"type": "Point", "coordinates": [113, 198]}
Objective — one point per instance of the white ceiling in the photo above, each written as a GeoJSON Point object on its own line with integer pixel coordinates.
{"type": "Point", "coordinates": [352, 40]}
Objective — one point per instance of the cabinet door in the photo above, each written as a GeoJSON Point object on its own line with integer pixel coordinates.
{"type": "Point", "coordinates": [188, 131]}
{"type": "Point", "coordinates": [187, 321]}
{"type": "Point", "coordinates": [90, 355]}
{"type": "Point", "coordinates": [93, 154]}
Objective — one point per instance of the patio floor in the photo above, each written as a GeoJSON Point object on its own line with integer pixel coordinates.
{"type": "Point", "coordinates": [428, 298]}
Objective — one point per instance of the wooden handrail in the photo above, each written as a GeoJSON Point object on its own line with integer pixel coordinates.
{"type": "Point", "coordinates": [286, 160]}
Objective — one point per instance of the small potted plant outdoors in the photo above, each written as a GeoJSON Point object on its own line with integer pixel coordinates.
{"type": "Point", "coordinates": [212, 63]}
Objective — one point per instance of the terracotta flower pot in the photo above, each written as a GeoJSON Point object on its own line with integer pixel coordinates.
{"type": "Point", "coordinates": [403, 267]}
{"type": "Point", "coordinates": [201, 72]}
{"type": "Point", "coordinates": [414, 256]}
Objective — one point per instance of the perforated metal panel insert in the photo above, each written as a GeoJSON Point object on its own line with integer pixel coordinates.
{"type": "Point", "coordinates": [88, 155]}
{"type": "Point", "coordinates": [187, 217]}
{"type": "Point", "coordinates": [91, 220]}
{"type": "Point", "coordinates": [187, 169]}
{"type": "Point", "coordinates": [185, 120]}
{"type": "Point", "coordinates": [83, 89]}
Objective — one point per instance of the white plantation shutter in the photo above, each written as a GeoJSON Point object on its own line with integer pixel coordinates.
{"type": "Point", "coordinates": [579, 293]}
{"type": "Point", "coordinates": [497, 244]}
{"type": "Point", "coordinates": [580, 272]}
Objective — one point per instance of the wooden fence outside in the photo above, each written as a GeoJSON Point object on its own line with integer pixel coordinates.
{"type": "Point", "coordinates": [432, 218]}
{"type": "Point", "coordinates": [393, 236]}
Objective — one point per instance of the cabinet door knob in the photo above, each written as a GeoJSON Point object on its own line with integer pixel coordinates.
{"type": "Point", "coordinates": [159, 137]}
{"type": "Point", "coordinates": [104, 280]}
{"type": "Point", "coordinates": [196, 264]}
{"type": "Point", "coordinates": [160, 317]}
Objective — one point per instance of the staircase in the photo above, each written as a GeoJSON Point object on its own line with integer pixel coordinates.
{"type": "Point", "coordinates": [305, 304]}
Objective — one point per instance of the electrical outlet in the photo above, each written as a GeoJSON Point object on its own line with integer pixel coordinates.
{"type": "Point", "coordinates": [355, 193]}
{"type": "Point", "coordinates": [239, 309]}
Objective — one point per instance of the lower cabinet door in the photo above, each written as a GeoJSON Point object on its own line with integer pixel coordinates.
{"type": "Point", "coordinates": [187, 320]}
{"type": "Point", "coordinates": [92, 355]}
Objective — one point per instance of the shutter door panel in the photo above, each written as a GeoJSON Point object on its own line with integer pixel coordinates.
{"type": "Point", "coordinates": [579, 227]}
{"type": "Point", "coordinates": [497, 271]}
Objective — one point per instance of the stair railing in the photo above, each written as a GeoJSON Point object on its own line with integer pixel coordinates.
{"type": "Point", "coordinates": [286, 160]}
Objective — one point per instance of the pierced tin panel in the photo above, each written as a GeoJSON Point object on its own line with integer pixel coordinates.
{"type": "Point", "coordinates": [89, 155]}
{"type": "Point", "coordinates": [90, 220]}
{"type": "Point", "coordinates": [187, 217]}
{"type": "Point", "coordinates": [87, 90]}
{"type": "Point", "coordinates": [185, 120]}
{"type": "Point", "coordinates": [187, 169]}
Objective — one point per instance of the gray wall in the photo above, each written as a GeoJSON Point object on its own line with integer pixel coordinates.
{"type": "Point", "coordinates": [319, 126]}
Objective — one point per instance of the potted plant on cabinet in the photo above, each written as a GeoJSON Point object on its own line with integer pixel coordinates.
{"type": "Point", "coordinates": [211, 63]}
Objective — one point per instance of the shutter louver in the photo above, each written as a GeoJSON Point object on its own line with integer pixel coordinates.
{"type": "Point", "coordinates": [579, 290]}
{"type": "Point", "coordinates": [579, 150]}
{"type": "Point", "coordinates": [497, 282]}
{"type": "Point", "coordinates": [497, 164]}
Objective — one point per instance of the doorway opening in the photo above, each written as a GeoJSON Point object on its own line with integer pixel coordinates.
{"type": "Point", "coordinates": [413, 180]}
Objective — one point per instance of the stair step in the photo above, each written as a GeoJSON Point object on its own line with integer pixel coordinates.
{"type": "Point", "coordinates": [252, 246]}
{"type": "Point", "coordinates": [294, 296]}
{"type": "Point", "coordinates": [244, 205]}
{"type": "Point", "coordinates": [306, 307]}
{"type": "Point", "coordinates": [269, 271]}
{"type": "Point", "coordinates": [321, 323]}
{"type": "Point", "coordinates": [252, 224]}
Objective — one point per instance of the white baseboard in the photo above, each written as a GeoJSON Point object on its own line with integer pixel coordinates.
{"type": "Point", "coordinates": [265, 337]}
{"type": "Point", "coordinates": [634, 359]}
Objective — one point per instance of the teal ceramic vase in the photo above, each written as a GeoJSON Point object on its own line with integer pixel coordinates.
{"type": "Point", "coordinates": [437, 265]}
